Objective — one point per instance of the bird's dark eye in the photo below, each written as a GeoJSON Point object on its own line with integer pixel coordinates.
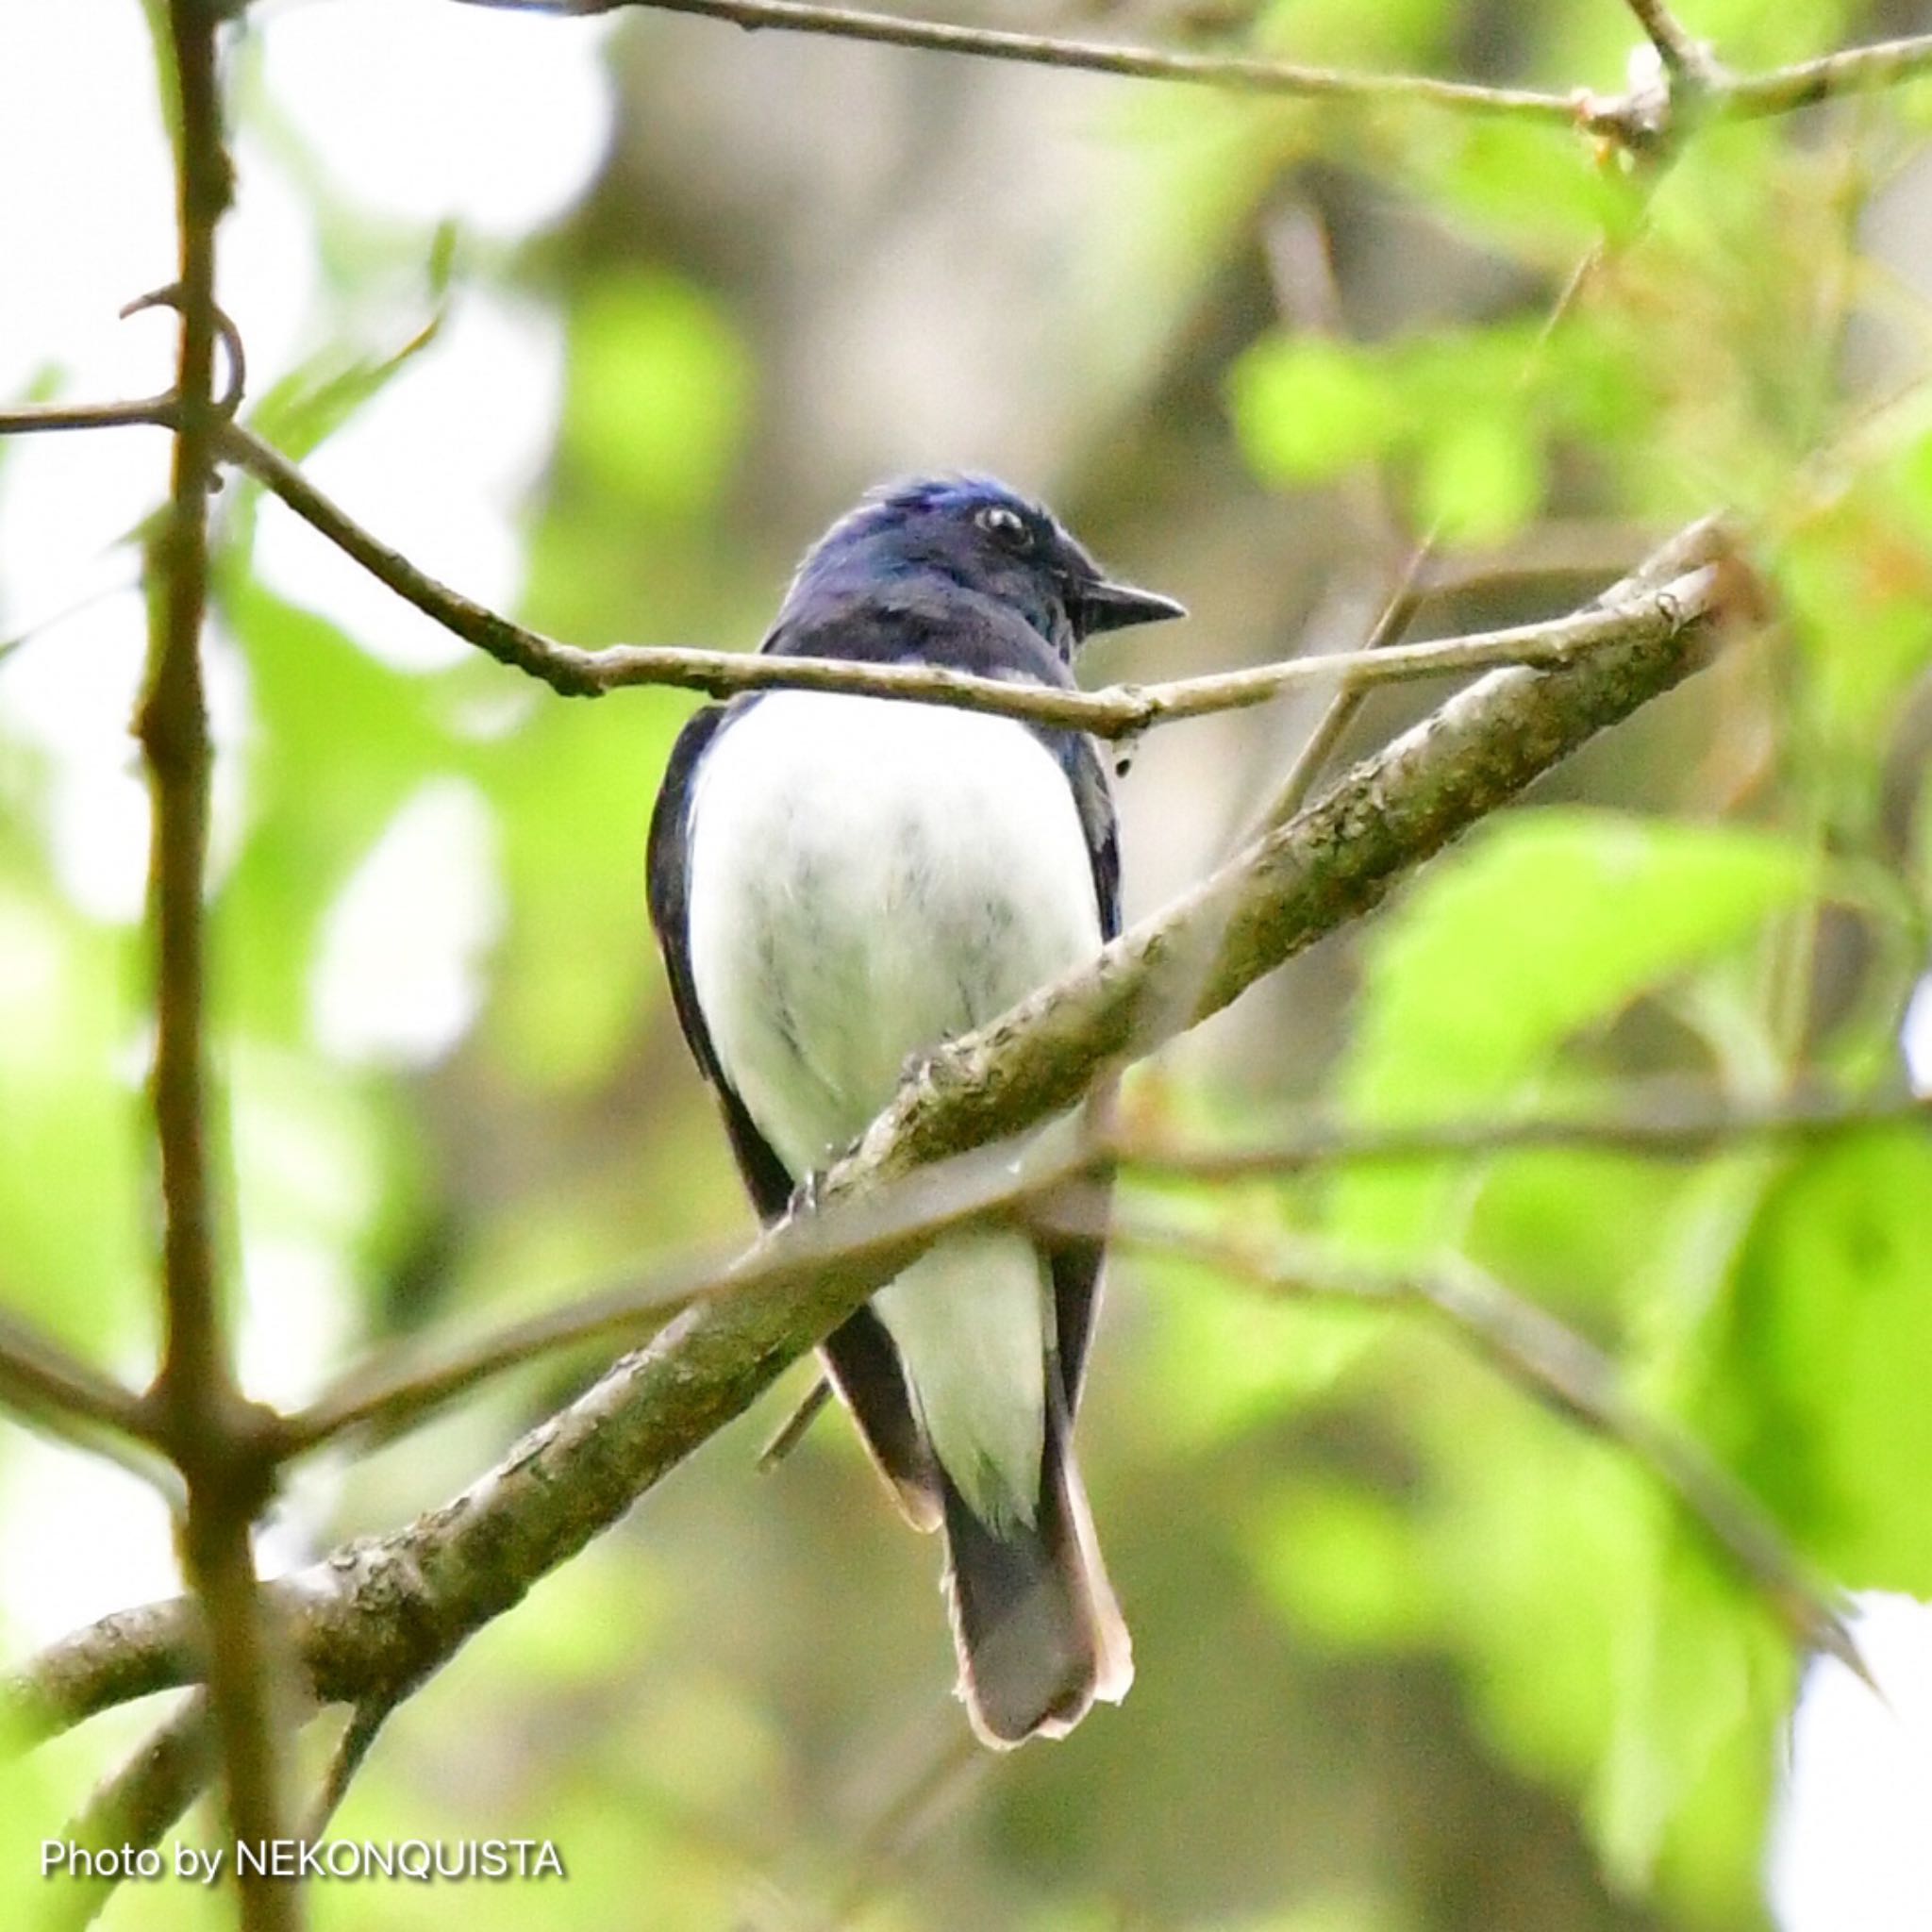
{"type": "Point", "coordinates": [1005, 524]}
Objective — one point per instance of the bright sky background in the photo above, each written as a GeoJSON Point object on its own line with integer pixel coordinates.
{"type": "Point", "coordinates": [493, 121]}
{"type": "Point", "coordinates": [498, 121]}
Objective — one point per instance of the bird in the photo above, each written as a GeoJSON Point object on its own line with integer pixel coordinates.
{"type": "Point", "coordinates": [840, 883]}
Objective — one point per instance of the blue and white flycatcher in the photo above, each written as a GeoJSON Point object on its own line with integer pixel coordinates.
{"type": "Point", "coordinates": [840, 883]}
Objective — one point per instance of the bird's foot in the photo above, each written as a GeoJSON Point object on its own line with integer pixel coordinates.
{"type": "Point", "coordinates": [806, 1197]}
{"type": "Point", "coordinates": [929, 1072]}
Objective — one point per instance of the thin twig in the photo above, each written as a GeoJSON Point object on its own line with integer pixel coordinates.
{"type": "Point", "coordinates": [1854, 70]}
{"type": "Point", "coordinates": [1226, 72]}
{"type": "Point", "coordinates": [874, 1233]}
{"type": "Point", "coordinates": [1554, 1362]}
{"type": "Point", "coordinates": [1666, 1122]}
{"type": "Point", "coordinates": [938, 1781]}
{"type": "Point", "coordinates": [136, 1807]}
{"type": "Point", "coordinates": [1670, 1122]}
{"type": "Point", "coordinates": [197, 1408]}
{"type": "Point", "coordinates": [791, 1433]}
{"type": "Point", "coordinates": [1118, 711]}
{"type": "Point", "coordinates": [66, 1398]}
{"type": "Point", "coordinates": [1631, 119]}
{"type": "Point", "coordinates": [1302, 267]}
{"type": "Point", "coordinates": [154, 412]}
{"type": "Point", "coordinates": [1311, 761]}
{"type": "Point", "coordinates": [391, 1610]}
{"type": "Point", "coordinates": [38, 1374]}
{"type": "Point", "coordinates": [30, 419]}
{"type": "Point", "coordinates": [359, 1735]}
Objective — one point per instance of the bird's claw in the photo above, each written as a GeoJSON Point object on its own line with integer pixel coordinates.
{"type": "Point", "coordinates": [806, 1197]}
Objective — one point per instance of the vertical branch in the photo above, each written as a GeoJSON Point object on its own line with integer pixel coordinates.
{"type": "Point", "coordinates": [198, 1411]}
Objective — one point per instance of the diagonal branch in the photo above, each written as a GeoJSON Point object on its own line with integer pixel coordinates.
{"type": "Point", "coordinates": [135, 1807]}
{"type": "Point", "coordinates": [1670, 1122]}
{"type": "Point", "coordinates": [1555, 1364]}
{"type": "Point", "coordinates": [1650, 609]}
{"type": "Point", "coordinates": [379, 1616]}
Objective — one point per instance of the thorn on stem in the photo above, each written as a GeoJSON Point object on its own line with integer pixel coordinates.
{"type": "Point", "coordinates": [225, 404]}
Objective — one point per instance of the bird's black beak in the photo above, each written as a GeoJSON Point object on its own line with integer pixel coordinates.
{"type": "Point", "coordinates": [1100, 605]}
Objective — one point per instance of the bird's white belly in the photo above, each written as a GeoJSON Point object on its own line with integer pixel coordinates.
{"type": "Point", "coordinates": [868, 879]}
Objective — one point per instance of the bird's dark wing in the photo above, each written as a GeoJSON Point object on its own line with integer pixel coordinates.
{"type": "Point", "coordinates": [667, 888]}
{"type": "Point", "coordinates": [1075, 1263]}
{"type": "Point", "coordinates": [858, 1356]}
{"type": "Point", "coordinates": [1093, 799]}
{"type": "Point", "coordinates": [667, 877]}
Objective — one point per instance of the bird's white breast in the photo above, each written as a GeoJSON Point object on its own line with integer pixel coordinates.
{"type": "Point", "coordinates": [867, 878]}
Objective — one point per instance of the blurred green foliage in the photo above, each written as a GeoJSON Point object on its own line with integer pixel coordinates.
{"type": "Point", "coordinates": [1416, 1654]}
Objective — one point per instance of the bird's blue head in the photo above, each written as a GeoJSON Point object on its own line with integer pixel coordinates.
{"type": "Point", "coordinates": [985, 539]}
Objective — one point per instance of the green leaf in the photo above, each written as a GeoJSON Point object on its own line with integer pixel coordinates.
{"type": "Point", "coordinates": [309, 404]}
{"type": "Point", "coordinates": [1571, 1227]}
{"type": "Point", "coordinates": [1534, 191]}
{"type": "Point", "coordinates": [1533, 1537]}
{"type": "Point", "coordinates": [1819, 1369]}
{"type": "Point", "coordinates": [1481, 480]}
{"type": "Point", "coordinates": [658, 394]}
{"type": "Point", "coordinates": [307, 407]}
{"type": "Point", "coordinates": [1308, 407]}
{"type": "Point", "coordinates": [1698, 1664]}
{"type": "Point", "coordinates": [1230, 1359]}
{"type": "Point", "coordinates": [344, 740]}
{"type": "Point", "coordinates": [1341, 32]}
{"type": "Point", "coordinates": [1858, 583]}
{"type": "Point", "coordinates": [75, 1256]}
{"type": "Point", "coordinates": [1341, 1561]}
{"type": "Point", "coordinates": [1551, 922]}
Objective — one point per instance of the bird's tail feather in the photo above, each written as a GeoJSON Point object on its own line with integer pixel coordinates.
{"type": "Point", "coordinates": [1038, 1633]}
{"type": "Point", "coordinates": [863, 1367]}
